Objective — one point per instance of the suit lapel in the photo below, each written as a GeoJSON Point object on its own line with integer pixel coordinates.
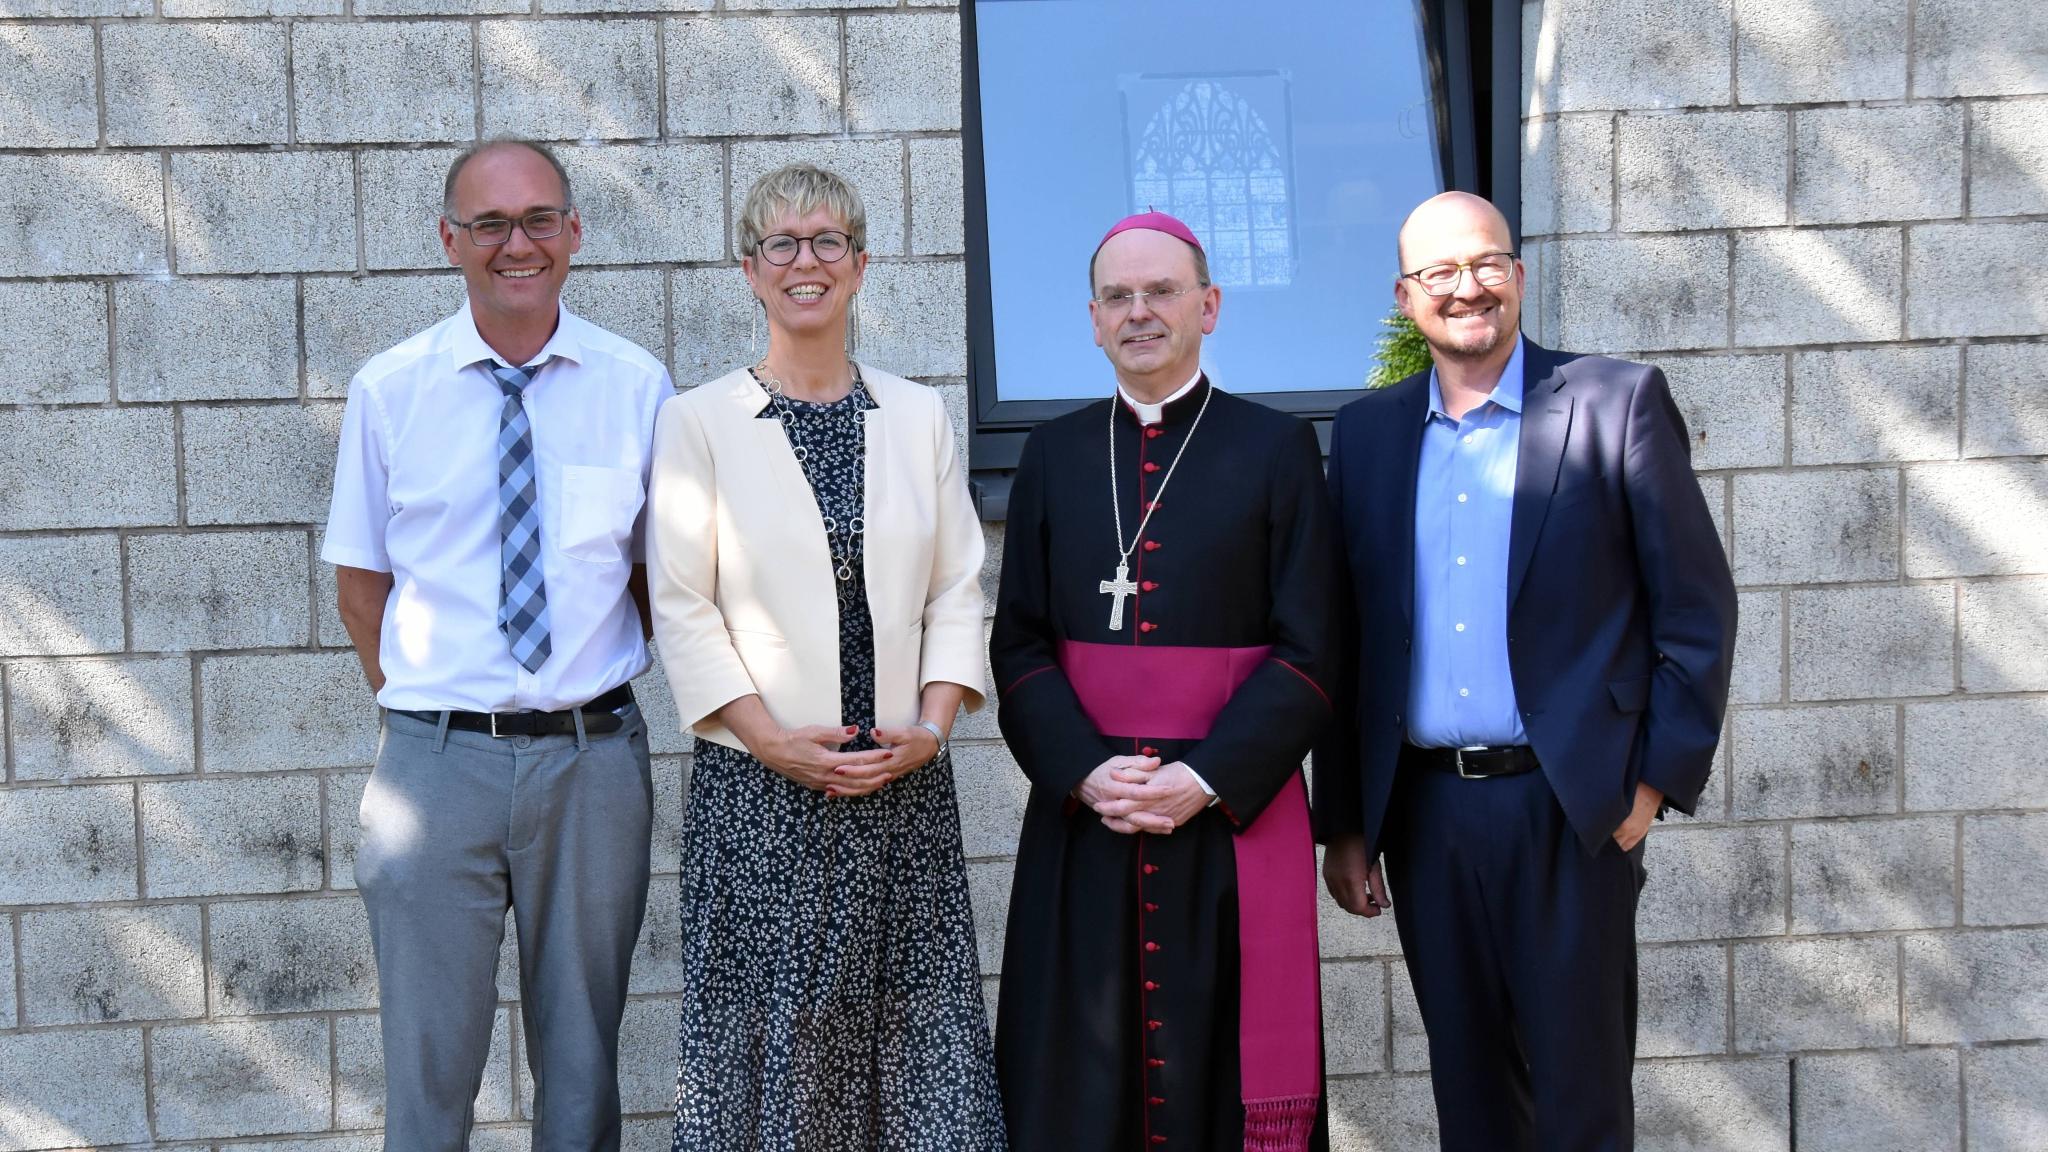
{"type": "Point", "coordinates": [1546, 423]}
{"type": "Point", "coordinates": [1406, 423]}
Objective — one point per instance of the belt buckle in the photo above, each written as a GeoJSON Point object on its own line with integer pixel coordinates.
{"type": "Point", "coordinates": [494, 728]}
{"type": "Point", "coordinates": [1458, 755]}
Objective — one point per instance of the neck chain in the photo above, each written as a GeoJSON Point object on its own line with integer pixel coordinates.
{"type": "Point", "coordinates": [1123, 586]}
{"type": "Point", "coordinates": [840, 539]}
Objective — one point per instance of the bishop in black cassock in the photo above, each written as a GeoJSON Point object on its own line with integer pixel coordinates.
{"type": "Point", "coordinates": [1161, 682]}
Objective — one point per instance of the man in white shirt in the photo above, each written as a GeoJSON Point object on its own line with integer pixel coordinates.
{"type": "Point", "coordinates": [486, 528]}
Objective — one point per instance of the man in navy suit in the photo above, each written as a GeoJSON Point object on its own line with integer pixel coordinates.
{"type": "Point", "coordinates": [1544, 626]}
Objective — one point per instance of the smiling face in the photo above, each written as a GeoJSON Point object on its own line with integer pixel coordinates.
{"type": "Point", "coordinates": [807, 298]}
{"type": "Point", "coordinates": [521, 279]}
{"type": "Point", "coordinates": [1155, 344]}
{"type": "Point", "coordinates": [1473, 321]}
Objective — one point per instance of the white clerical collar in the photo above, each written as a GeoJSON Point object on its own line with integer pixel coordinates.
{"type": "Point", "coordinates": [1154, 413]}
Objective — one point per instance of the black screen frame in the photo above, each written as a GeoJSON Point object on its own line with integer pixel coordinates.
{"type": "Point", "coordinates": [1474, 56]}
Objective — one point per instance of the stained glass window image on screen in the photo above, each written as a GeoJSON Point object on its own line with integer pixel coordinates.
{"type": "Point", "coordinates": [1292, 135]}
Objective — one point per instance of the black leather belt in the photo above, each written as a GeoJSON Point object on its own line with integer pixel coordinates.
{"type": "Point", "coordinates": [1475, 763]}
{"type": "Point", "coordinates": [600, 716]}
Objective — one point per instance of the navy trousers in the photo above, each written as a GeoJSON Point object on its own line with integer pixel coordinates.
{"type": "Point", "coordinates": [1521, 947]}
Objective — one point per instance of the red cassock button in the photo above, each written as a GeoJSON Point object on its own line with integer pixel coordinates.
{"type": "Point", "coordinates": [1156, 1101]}
{"type": "Point", "coordinates": [1151, 907]}
{"type": "Point", "coordinates": [1156, 504]}
{"type": "Point", "coordinates": [1150, 986]}
{"type": "Point", "coordinates": [1154, 1025]}
{"type": "Point", "coordinates": [1151, 465]}
{"type": "Point", "coordinates": [1152, 545]}
{"type": "Point", "coordinates": [1150, 585]}
{"type": "Point", "coordinates": [1155, 1062]}
{"type": "Point", "coordinates": [1148, 750]}
{"type": "Point", "coordinates": [1151, 868]}
{"type": "Point", "coordinates": [1151, 946]}
{"type": "Point", "coordinates": [1148, 626]}
{"type": "Point", "coordinates": [1154, 433]}
{"type": "Point", "coordinates": [1159, 1139]}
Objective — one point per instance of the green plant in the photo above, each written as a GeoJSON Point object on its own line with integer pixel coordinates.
{"type": "Point", "coordinates": [1400, 353]}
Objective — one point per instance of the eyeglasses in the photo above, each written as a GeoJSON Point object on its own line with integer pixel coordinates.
{"type": "Point", "coordinates": [1119, 302]}
{"type": "Point", "coordinates": [491, 231]}
{"type": "Point", "coordinates": [828, 246]}
{"type": "Point", "coordinates": [1489, 271]}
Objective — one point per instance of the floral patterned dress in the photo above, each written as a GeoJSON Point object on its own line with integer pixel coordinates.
{"type": "Point", "coordinates": [832, 997]}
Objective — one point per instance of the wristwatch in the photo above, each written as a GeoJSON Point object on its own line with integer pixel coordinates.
{"type": "Point", "coordinates": [936, 735]}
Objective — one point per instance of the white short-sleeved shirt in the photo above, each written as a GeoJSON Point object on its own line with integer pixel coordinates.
{"type": "Point", "coordinates": [416, 495]}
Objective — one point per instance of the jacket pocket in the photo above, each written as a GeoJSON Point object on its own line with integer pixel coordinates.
{"type": "Point", "coordinates": [1631, 695]}
{"type": "Point", "coordinates": [595, 512]}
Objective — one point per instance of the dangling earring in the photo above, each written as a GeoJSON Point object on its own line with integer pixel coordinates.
{"type": "Point", "coordinates": [853, 327]}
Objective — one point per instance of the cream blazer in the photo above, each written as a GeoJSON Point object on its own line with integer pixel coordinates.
{"type": "Point", "coordinates": [741, 576]}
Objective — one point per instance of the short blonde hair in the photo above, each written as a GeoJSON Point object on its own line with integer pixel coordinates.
{"type": "Point", "coordinates": [800, 189]}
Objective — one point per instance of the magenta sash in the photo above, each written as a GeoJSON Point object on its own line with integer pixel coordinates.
{"type": "Point", "coordinates": [1172, 693]}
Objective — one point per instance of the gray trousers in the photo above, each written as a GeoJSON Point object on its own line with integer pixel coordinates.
{"type": "Point", "coordinates": [456, 827]}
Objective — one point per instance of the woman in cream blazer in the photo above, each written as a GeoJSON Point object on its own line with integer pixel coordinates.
{"type": "Point", "coordinates": [814, 562]}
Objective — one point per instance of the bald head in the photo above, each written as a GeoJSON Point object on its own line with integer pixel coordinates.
{"type": "Point", "coordinates": [1466, 241]}
{"type": "Point", "coordinates": [1449, 219]}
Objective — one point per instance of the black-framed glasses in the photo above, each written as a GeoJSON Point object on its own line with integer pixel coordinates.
{"type": "Point", "coordinates": [1120, 301]}
{"type": "Point", "coordinates": [491, 231]}
{"type": "Point", "coordinates": [1489, 271]}
{"type": "Point", "coordinates": [829, 246]}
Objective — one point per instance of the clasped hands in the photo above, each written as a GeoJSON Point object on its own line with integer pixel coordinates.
{"type": "Point", "coordinates": [811, 757]}
{"type": "Point", "coordinates": [1140, 794]}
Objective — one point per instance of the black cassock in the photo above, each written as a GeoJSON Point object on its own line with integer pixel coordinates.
{"type": "Point", "coordinates": [1118, 1017]}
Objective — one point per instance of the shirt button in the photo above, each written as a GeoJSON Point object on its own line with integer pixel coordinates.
{"type": "Point", "coordinates": [1151, 465]}
{"type": "Point", "coordinates": [1461, 561]}
{"type": "Point", "coordinates": [1464, 691]}
{"type": "Point", "coordinates": [1461, 497]}
{"type": "Point", "coordinates": [1461, 627]}
{"type": "Point", "coordinates": [1468, 437]}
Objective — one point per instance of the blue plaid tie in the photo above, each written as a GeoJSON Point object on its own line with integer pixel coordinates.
{"type": "Point", "coordinates": [522, 597]}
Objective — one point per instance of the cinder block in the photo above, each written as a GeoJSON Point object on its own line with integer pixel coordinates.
{"type": "Point", "coordinates": [753, 77]}
{"type": "Point", "coordinates": [671, 786]}
{"type": "Point", "coordinates": [1599, 55]}
{"type": "Point", "coordinates": [211, 339]}
{"type": "Point", "coordinates": [63, 595]}
{"type": "Point", "coordinates": [8, 1018]}
{"type": "Point", "coordinates": [350, 320]}
{"type": "Point", "coordinates": [1880, 1102]}
{"type": "Point", "coordinates": [195, 83]}
{"type": "Point", "coordinates": [1807, 53]}
{"type": "Point", "coordinates": [1701, 170]}
{"type": "Point", "coordinates": [191, 8]}
{"type": "Point", "coordinates": [2004, 627]}
{"type": "Point", "coordinates": [260, 464]}
{"type": "Point", "coordinates": [1857, 164]}
{"type": "Point", "coordinates": [326, 603]}
{"type": "Point", "coordinates": [647, 1056]}
{"type": "Point", "coordinates": [1798, 994]}
{"type": "Point", "coordinates": [408, 81]}
{"type": "Point", "coordinates": [1382, 1114]}
{"type": "Point", "coordinates": [1978, 48]}
{"type": "Point", "coordinates": [1976, 519]}
{"type": "Point", "coordinates": [658, 708]}
{"type": "Point", "coordinates": [1972, 987]}
{"type": "Point", "coordinates": [1621, 293]}
{"type": "Point", "coordinates": [441, 7]}
{"type": "Point", "coordinates": [1868, 876]}
{"type": "Point", "coordinates": [302, 955]}
{"type": "Point", "coordinates": [2007, 1086]}
{"type": "Point", "coordinates": [2008, 409]}
{"type": "Point", "coordinates": [1816, 527]}
{"type": "Point", "coordinates": [290, 710]}
{"type": "Point", "coordinates": [1714, 490]}
{"type": "Point", "coordinates": [1711, 883]}
{"type": "Point", "coordinates": [370, 1143]}
{"type": "Point", "coordinates": [658, 954]}
{"type": "Point", "coordinates": [644, 202]}
{"type": "Point", "coordinates": [87, 468]}
{"type": "Point", "coordinates": [76, 718]}
{"type": "Point", "coordinates": [56, 343]}
{"type": "Point", "coordinates": [265, 211]}
{"type": "Point", "coordinates": [1875, 404]}
{"type": "Point", "coordinates": [1408, 1038]}
{"type": "Point", "coordinates": [1794, 763]}
{"type": "Point", "coordinates": [405, 185]}
{"type": "Point", "coordinates": [1355, 1017]}
{"type": "Point", "coordinates": [2009, 158]}
{"type": "Point", "coordinates": [992, 792]}
{"type": "Point", "coordinates": [1857, 643]}
{"type": "Point", "coordinates": [1343, 935]}
{"type": "Point", "coordinates": [988, 883]}
{"type": "Point", "coordinates": [49, 100]}
{"type": "Point", "coordinates": [1775, 302]}
{"type": "Point", "coordinates": [936, 227]}
{"type": "Point", "coordinates": [628, 303]}
{"type": "Point", "coordinates": [94, 215]}
{"type": "Point", "coordinates": [1568, 175]}
{"type": "Point", "coordinates": [73, 9]}
{"type": "Point", "coordinates": [570, 79]}
{"type": "Point", "coordinates": [359, 1075]}
{"type": "Point", "coordinates": [1758, 676]}
{"type": "Point", "coordinates": [1944, 304]}
{"type": "Point", "coordinates": [717, 324]}
{"type": "Point", "coordinates": [914, 319]}
{"type": "Point", "coordinates": [637, 5]}
{"type": "Point", "coordinates": [242, 1078]}
{"type": "Point", "coordinates": [67, 845]}
{"type": "Point", "coordinates": [1683, 993]}
{"type": "Point", "coordinates": [1965, 754]}
{"type": "Point", "coordinates": [903, 73]}
{"type": "Point", "coordinates": [1734, 407]}
{"type": "Point", "coordinates": [1713, 1106]}
{"type": "Point", "coordinates": [1539, 290]}
{"type": "Point", "coordinates": [74, 1088]}
{"type": "Point", "coordinates": [2005, 869]}
{"type": "Point", "coordinates": [873, 167]}
{"type": "Point", "coordinates": [219, 590]}
{"type": "Point", "coordinates": [220, 837]}
{"type": "Point", "coordinates": [94, 965]}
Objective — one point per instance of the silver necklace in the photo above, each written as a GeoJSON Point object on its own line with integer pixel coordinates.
{"type": "Point", "coordinates": [839, 538]}
{"type": "Point", "coordinates": [1123, 586]}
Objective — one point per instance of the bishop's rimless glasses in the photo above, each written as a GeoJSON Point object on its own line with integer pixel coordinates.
{"type": "Point", "coordinates": [1489, 271]}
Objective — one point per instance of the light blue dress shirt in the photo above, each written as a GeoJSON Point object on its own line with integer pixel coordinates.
{"type": "Point", "coordinates": [1460, 692]}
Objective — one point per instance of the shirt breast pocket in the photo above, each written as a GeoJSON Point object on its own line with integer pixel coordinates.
{"type": "Point", "coordinates": [596, 510]}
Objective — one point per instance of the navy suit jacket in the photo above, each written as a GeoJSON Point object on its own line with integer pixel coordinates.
{"type": "Point", "coordinates": [1621, 608]}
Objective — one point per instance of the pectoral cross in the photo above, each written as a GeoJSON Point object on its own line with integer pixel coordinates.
{"type": "Point", "coordinates": [1117, 590]}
